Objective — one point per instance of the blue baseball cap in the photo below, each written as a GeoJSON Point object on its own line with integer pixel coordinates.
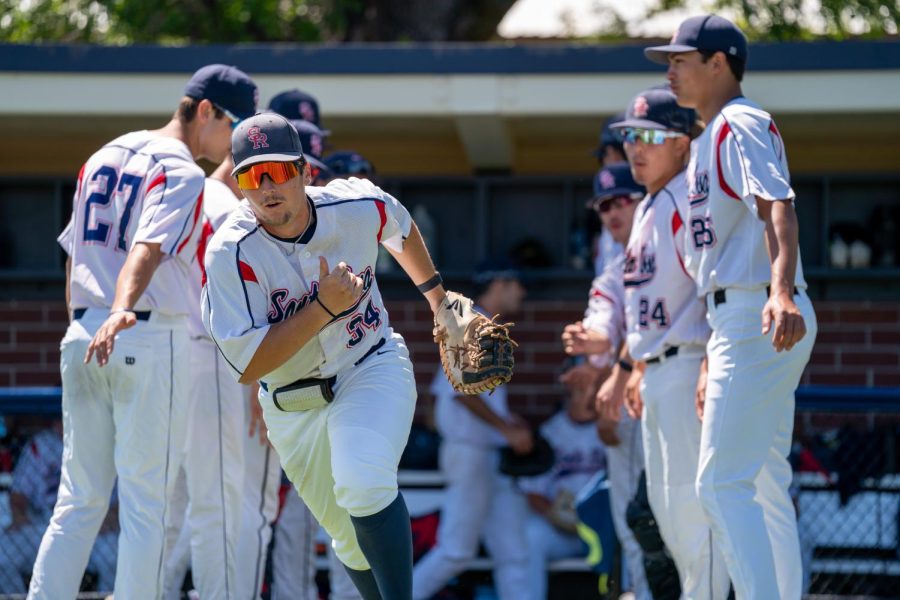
{"type": "Point", "coordinates": [266, 137]}
{"type": "Point", "coordinates": [657, 108]}
{"type": "Point", "coordinates": [312, 140]}
{"type": "Point", "coordinates": [297, 105]}
{"type": "Point", "coordinates": [225, 86]}
{"type": "Point", "coordinates": [706, 32]}
{"type": "Point", "coordinates": [609, 137]}
{"type": "Point", "coordinates": [615, 180]}
{"type": "Point", "coordinates": [345, 163]}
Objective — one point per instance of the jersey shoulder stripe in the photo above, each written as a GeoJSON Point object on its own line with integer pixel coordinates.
{"type": "Point", "coordinates": [238, 263]}
{"type": "Point", "coordinates": [198, 209]}
{"type": "Point", "coordinates": [720, 139]}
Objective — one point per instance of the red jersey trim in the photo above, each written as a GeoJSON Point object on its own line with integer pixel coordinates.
{"type": "Point", "coordinates": [198, 208]}
{"type": "Point", "coordinates": [382, 214]}
{"type": "Point", "coordinates": [723, 133]}
{"type": "Point", "coordinates": [246, 271]}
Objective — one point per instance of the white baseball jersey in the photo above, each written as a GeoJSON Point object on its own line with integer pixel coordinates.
{"type": "Point", "coordinates": [218, 202]}
{"type": "Point", "coordinates": [605, 312]}
{"type": "Point", "coordinates": [739, 157]}
{"type": "Point", "coordinates": [661, 305]}
{"type": "Point", "coordinates": [579, 456]}
{"type": "Point", "coordinates": [255, 279]}
{"type": "Point", "coordinates": [455, 422]}
{"type": "Point", "coordinates": [140, 187]}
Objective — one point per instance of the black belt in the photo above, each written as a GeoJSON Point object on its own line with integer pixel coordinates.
{"type": "Point", "coordinates": [719, 295]}
{"type": "Point", "coordinates": [140, 315]}
{"type": "Point", "coordinates": [331, 380]}
{"type": "Point", "coordinates": [300, 382]}
{"type": "Point", "coordinates": [669, 353]}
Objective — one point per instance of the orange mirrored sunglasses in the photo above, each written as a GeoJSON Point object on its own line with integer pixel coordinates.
{"type": "Point", "coordinates": [278, 172]}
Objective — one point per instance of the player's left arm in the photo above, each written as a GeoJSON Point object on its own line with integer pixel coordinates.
{"type": "Point", "coordinates": [782, 242]}
{"type": "Point", "coordinates": [417, 263]}
{"type": "Point", "coordinates": [133, 279]}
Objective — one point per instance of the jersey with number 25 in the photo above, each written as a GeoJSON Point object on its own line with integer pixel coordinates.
{"type": "Point", "coordinates": [739, 158]}
{"type": "Point", "coordinates": [140, 187]}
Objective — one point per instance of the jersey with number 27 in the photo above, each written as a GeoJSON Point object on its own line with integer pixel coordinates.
{"type": "Point", "coordinates": [738, 161]}
{"type": "Point", "coordinates": [255, 280]}
{"type": "Point", "coordinates": [140, 187]}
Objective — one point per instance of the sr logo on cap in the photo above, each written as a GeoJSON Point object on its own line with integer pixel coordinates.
{"type": "Point", "coordinates": [641, 107]}
{"type": "Point", "coordinates": [257, 138]}
{"type": "Point", "coordinates": [607, 180]}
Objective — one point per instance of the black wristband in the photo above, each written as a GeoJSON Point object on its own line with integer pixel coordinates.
{"type": "Point", "coordinates": [325, 308]}
{"type": "Point", "coordinates": [432, 283]}
{"type": "Point", "coordinates": [625, 365]}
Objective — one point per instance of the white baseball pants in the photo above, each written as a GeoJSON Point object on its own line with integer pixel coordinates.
{"type": "Point", "coordinates": [744, 474]}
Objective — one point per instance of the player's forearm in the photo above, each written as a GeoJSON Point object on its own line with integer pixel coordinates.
{"type": "Point", "coordinates": [782, 235]}
{"type": "Point", "coordinates": [417, 263]}
{"type": "Point", "coordinates": [135, 276]}
{"type": "Point", "coordinates": [284, 339]}
{"type": "Point", "coordinates": [480, 409]}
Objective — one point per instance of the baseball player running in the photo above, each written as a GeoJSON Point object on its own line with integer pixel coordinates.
{"type": "Point", "coordinates": [291, 300]}
{"type": "Point", "coordinates": [741, 249]}
{"type": "Point", "coordinates": [130, 241]}
{"type": "Point", "coordinates": [667, 332]}
{"type": "Point", "coordinates": [479, 503]}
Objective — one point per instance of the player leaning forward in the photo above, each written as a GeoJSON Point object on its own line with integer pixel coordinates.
{"type": "Point", "coordinates": [742, 251]}
{"type": "Point", "coordinates": [291, 300]}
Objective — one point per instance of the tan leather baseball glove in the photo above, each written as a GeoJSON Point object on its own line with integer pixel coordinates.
{"type": "Point", "coordinates": [476, 352]}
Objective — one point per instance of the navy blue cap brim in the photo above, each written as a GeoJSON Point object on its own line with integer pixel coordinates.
{"type": "Point", "coordinates": [638, 123]}
{"type": "Point", "coordinates": [614, 193]}
{"type": "Point", "coordinates": [660, 54]}
{"type": "Point", "coordinates": [261, 158]}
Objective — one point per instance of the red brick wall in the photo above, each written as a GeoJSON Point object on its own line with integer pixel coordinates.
{"type": "Point", "coordinates": [858, 344]}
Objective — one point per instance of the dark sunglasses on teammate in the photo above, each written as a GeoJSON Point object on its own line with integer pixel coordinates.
{"type": "Point", "coordinates": [606, 204]}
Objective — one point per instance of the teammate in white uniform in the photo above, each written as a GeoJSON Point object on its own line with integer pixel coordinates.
{"type": "Point", "coordinates": [209, 492]}
{"type": "Point", "coordinates": [579, 456]}
{"type": "Point", "coordinates": [291, 300]}
{"type": "Point", "coordinates": [599, 336]}
{"type": "Point", "coordinates": [667, 333]}
{"type": "Point", "coordinates": [130, 241]}
{"type": "Point", "coordinates": [479, 502]}
{"type": "Point", "coordinates": [741, 248]}
{"type": "Point", "coordinates": [32, 495]}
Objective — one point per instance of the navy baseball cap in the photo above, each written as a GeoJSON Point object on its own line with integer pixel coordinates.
{"type": "Point", "coordinates": [312, 140]}
{"type": "Point", "coordinates": [349, 164]}
{"type": "Point", "coordinates": [613, 181]}
{"type": "Point", "coordinates": [706, 32]}
{"type": "Point", "coordinates": [266, 137]}
{"type": "Point", "coordinates": [657, 108]}
{"type": "Point", "coordinates": [225, 86]}
{"type": "Point", "coordinates": [493, 268]}
{"type": "Point", "coordinates": [297, 105]}
{"type": "Point", "coordinates": [609, 137]}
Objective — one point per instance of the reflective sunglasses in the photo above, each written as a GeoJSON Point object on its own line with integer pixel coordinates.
{"type": "Point", "coordinates": [605, 205]}
{"type": "Point", "coordinates": [278, 172]}
{"type": "Point", "coordinates": [231, 116]}
{"type": "Point", "coordinates": [654, 137]}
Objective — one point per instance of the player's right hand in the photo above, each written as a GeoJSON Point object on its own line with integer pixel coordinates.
{"type": "Point", "coordinates": [700, 393]}
{"type": "Point", "coordinates": [339, 288]}
{"type": "Point", "coordinates": [105, 339]}
{"type": "Point", "coordinates": [578, 340]}
{"type": "Point", "coordinates": [518, 435]}
{"type": "Point", "coordinates": [634, 404]}
{"type": "Point", "coordinates": [611, 396]}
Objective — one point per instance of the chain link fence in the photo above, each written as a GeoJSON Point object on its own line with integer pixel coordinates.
{"type": "Point", "coordinates": [846, 489]}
